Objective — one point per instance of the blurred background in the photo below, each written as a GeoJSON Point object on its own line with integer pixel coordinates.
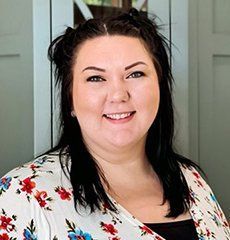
{"type": "Point", "coordinates": [200, 58]}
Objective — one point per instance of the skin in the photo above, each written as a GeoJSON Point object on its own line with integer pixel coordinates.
{"type": "Point", "coordinates": [118, 92]}
{"type": "Point", "coordinates": [116, 74]}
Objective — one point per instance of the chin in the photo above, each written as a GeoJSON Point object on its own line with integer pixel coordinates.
{"type": "Point", "coordinates": [123, 141]}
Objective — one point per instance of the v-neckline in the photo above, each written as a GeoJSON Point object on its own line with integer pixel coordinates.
{"type": "Point", "coordinates": [132, 219]}
{"type": "Point", "coordinates": [137, 223]}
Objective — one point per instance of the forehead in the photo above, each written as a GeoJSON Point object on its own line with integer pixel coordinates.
{"type": "Point", "coordinates": [111, 48]}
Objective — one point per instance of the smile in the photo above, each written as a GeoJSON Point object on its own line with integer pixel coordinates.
{"type": "Point", "coordinates": [118, 116]}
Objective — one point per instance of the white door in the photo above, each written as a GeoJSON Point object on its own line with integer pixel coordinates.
{"type": "Point", "coordinates": [27, 125]}
{"type": "Point", "coordinates": [62, 16]}
{"type": "Point", "coordinates": [16, 85]}
{"type": "Point", "coordinates": [212, 141]}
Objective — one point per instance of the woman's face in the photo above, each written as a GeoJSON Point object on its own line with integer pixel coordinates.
{"type": "Point", "coordinates": [115, 91]}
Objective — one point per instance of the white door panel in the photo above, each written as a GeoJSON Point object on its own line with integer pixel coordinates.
{"type": "Point", "coordinates": [62, 17]}
{"type": "Point", "coordinates": [26, 93]}
{"type": "Point", "coordinates": [41, 76]}
{"type": "Point", "coordinates": [16, 85]}
{"type": "Point", "coordinates": [213, 86]}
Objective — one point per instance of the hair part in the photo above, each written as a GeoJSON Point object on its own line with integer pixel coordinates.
{"type": "Point", "coordinates": [89, 191]}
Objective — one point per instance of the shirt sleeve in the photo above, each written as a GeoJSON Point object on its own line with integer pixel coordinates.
{"type": "Point", "coordinates": [20, 214]}
{"type": "Point", "coordinates": [205, 210]}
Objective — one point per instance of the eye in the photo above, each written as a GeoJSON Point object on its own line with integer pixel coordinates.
{"type": "Point", "coordinates": [95, 79]}
{"type": "Point", "coordinates": [137, 74]}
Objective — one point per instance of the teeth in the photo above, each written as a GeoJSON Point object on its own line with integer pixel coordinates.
{"type": "Point", "coordinates": [118, 116]}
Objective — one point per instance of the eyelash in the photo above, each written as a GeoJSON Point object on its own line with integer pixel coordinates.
{"type": "Point", "coordinates": [137, 74]}
{"type": "Point", "coordinates": [95, 79]}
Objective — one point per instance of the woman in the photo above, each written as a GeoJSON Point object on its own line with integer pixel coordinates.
{"type": "Point", "coordinates": [114, 174]}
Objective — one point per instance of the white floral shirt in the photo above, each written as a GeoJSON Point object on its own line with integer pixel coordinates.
{"type": "Point", "coordinates": [36, 203]}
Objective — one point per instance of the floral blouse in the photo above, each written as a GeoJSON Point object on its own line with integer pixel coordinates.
{"type": "Point", "coordinates": [36, 203]}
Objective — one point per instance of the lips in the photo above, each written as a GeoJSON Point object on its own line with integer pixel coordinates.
{"type": "Point", "coordinates": [118, 116]}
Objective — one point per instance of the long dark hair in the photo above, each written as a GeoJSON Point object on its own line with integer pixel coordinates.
{"type": "Point", "coordinates": [85, 175]}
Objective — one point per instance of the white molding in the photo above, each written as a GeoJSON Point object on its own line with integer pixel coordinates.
{"type": "Point", "coordinates": [193, 82]}
{"type": "Point", "coordinates": [83, 7]}
{"type": "Point", "coordinates": [161, 9]}
{"type": "Point", "coordinates": [41, 72]}
{"type": "Point", "coordinates": [139, 4]}
{"type": "Point", "coordinates": [180, 66]}
{"type": "Point", "coordinates": [62, 16]}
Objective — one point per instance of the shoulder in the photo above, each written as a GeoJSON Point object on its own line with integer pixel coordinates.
{"type": "Point", "coordinates": [42, 173]}
{"type": "Point", "coordinates": [30, 193]}
{"type": "Point", "coordinates": [39, 166]}
{"type": "Point", "coordinates": [194, 177]}
{"type": "Point", "coordinates": [199, 188]}
{"type": "Point", "coordinates": [205, 209]}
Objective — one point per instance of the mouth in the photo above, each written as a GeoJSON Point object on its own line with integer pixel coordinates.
{"type": "Point", "coordinates": [118, 116]}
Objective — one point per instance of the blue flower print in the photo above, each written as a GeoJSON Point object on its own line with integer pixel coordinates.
{"type": "Point", "coordinates": [213, 197]}
{"type": "Point", "coordinates": [75, 233]}
{"type": "Point", "coordinates": [79, 235]}
{"type": "Point", "coordinates": [28, 235]}
{"type": "Point", "coordinates": [29, 232]}
{"type": "Point", "coordinates": [5, 183]}
{"type": "Point", "coordinates": [41, 160]}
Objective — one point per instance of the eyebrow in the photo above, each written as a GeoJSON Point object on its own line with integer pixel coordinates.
{"type": "Point", "coordinates": [93, 68]}
{"type": "Point", "coordinates": [134, 64]}
{"type": "Point", "coordinates": [103, 70]}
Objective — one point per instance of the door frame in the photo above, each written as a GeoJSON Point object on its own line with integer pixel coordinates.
{"type": "Point", "coordinates": [193, 81]}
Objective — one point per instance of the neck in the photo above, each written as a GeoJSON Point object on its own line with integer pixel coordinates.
{"type": "Point", "coordinates": [123, 164]}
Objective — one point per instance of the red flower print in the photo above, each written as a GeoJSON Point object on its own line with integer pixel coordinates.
{"type": "Point", "coordinates": [145, 230]}
{"type": "Point", "coordinates": [109, 228]}
{"type": "Point", "coordinates": [41, 198]}
{"type": "Point", "coordinates": [5, 223]}
{"type": "Point", "coordinates": [208, 233]}
{"type": "Point", "coordinates": [197, 224]}
{"type": "Point", "coordinates": [64, 194]}
{"type": "Point", "coordinates": [80, 238]}
{"type": "Point", "coordinates": [226, 224]}
{"type": "Point", "coordinates": [114, 238]}
{"type": "Point", "coordinates": [158, 238]}
{"type": "Point", "coordinates": [196, 175]}
{"type": "Point", "coordinates": [28, 185]}
{"type": "Point", "coordinates": [4, 236]}
{"type": "Point", "coordinates": [33, 166]}
{"type": "Point", "coordinates": [199, 183]}
{"type": "Point", "coordinates": [105, 206]}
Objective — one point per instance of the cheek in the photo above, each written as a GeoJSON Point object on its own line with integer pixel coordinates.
{"type": "Point", "coordinates": [155, 99]}
{"type": "Point", "coordinates": [148, 97]}
{"type": "Point", "coordinates": [86, 101]}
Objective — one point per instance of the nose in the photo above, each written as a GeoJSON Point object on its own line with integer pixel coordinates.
{"type": "Point", "coordinates": [119, 93]}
